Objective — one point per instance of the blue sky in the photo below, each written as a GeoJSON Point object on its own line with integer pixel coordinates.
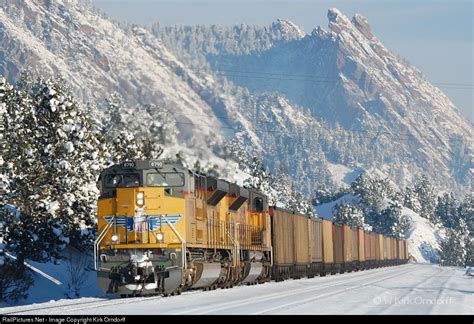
{"type": "Point", "coordinates": [435, 36]}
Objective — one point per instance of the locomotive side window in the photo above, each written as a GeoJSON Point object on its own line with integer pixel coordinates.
{"type": "Point", "coordinates": [165, 179]}
{"type": "Point", "coordinates": [122, 180]}
{"type": "Point", "coordinates": [258, 203]}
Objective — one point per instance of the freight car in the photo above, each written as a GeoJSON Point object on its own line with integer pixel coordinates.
{"type": "Point", "coordinates": [164, 229]}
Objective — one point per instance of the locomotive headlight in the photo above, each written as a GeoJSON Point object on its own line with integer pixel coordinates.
{"type": "Point", "coordinates": [160, 237]}
{"type": "Point", "coordinates": [140, 199]}
{"type": "Point", "coordinates": [115, 238]}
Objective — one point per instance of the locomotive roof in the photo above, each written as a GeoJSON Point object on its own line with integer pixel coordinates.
{"type": "Point", "coordinates": [145, 165]}
{"type": "Point", "coordinates": [131, 165]}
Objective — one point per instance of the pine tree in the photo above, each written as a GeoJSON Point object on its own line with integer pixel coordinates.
{"type": "Point", "coordinates": [447, 210]}
{"type": "Point", "coordinates": [427, 198]}
{"type": "Point", "coordinates": [390, 221]}
{"type": "Point", "coordinates": [122, 144]}
{"type": "Point", "coordinates": [410, 200]}
{"type": "Point", "coordinates": [348, 214]}
{"type": "Point", "coordinates": [53, 161]}
{"type": "Point", "coordinates": [466, 212]}
{"type": "Point", "coordinates": [372, 191]}
{"type": "Point", "coordinates": [322, 195]}
{"type": "Point", "coordinates": [452, 251]}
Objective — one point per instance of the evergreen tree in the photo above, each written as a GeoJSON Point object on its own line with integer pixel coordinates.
{"type": "Point", "coordinates": [391, 221]}
{"type": "Point", "coordinates": [122, 144]}
{"type": "Point", "coordinates": [348, 214]}
{"type": "Point", "coordinates": [323, 195]}
{"type": "Point", "coordinates": [466, 212]}
{"type": "Point", "coordinates": [372, 191]}
{"type": "Point", "coordinates": [427, 198]}
{"type": "Point", "coordinates": [447, 210]}
{"type": "Point", "coordinates": [452, 249]}
{"type": "Point", "coordinates": [410, 200]}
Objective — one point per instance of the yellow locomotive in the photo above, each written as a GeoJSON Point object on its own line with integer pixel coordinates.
{"type": "Point", "coordinates": [163, 229]}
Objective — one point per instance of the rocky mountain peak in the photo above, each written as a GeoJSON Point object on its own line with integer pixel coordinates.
{"type": "Point", "coordinates": [362, 25]}
{"type": "Point", "coordinates": [338, 21]}
{"type": "Point", "coordinates": [288, 28]}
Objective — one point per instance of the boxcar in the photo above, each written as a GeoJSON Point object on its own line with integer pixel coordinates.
{"type": "Point", "coordinates": [338, 240]}
{"type": "Point", "coordinates": [315, 226]}
{"type": "Point", "coordinates": [369, 256]}
{"type": "Point", "coordinates": [328, 246]}
{"type": "Point", "coordinates": [361, 245]}
{"type": "Point", "coordinates": [394, 250]}
{"type": "Point", "coordinates": [379, 250]}
{"type": "Point", "coordinates": [355, 249]}
{"type": "Point", "coordinates": [387, 250]}
{"type": "Point", "coordinates": [302, 251]}
{"type": "Point", "coordinates": [283, 243]}
{"type": "Point", "coordinates": [347, 242]}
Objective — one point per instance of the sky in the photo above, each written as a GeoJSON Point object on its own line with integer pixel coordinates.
{"type": "Point", "coordinates": [436, 36]}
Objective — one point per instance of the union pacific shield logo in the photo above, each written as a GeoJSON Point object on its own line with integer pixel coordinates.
{"type": "Point", "coordinates": [152, 222]}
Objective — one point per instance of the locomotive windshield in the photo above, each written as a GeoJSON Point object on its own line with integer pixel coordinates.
{"type": "Point", "coordinates": [165, 179]}
{"type": "Point", "coordinates": [122, 180]}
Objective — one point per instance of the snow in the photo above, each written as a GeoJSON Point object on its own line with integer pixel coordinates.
{"type": "Point", "coordinates": [343, 175]}
{"type": "Point", "coordinates": [69, 147]}
{"type": "Point", "coordinates": [423, 238]}
{"type": "Point", "coordinates": [52, 208]}
{"type": "Point", "coordinates": [325, 210]}
{"type": "Point", "coordinates": [51, 283]}
{"type": "Point", "coordinates": [406, 289]}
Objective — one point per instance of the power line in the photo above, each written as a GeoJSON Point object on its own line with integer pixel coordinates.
{"type": "Point", "coordinates": [313, 78]}
{"type": "Point", "coordinates": [379, 133]}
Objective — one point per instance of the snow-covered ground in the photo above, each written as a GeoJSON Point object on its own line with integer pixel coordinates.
{"type": "Point", "coordinates": [54, 282]}
{"type": "Point", "coordinates": [407, 289]}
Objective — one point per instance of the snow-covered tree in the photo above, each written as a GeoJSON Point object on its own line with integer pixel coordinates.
{"type": "Point", "coordinates": [372, 190]}
{"type": "Point", "coordinates": [466, 212]}
{"type": "Point", "coordinates": [322, 195]}
{"type": "Point", "coordinates": [235, 149]}
{"type": "Point", "coordinates": [260, 179]}
{"type": "Point", "coordinates": [426, 196]}
{"type": "Point", "coordinates": [348, 214]}
{"type": "Point", "coordinates": [122, 144]}
{"type": "Point", "coordinates": [390, 221]}
{"type": "Point", "coordinates": [447, 210]}
{"type": "Point", "coordinates": [53, 160]}
{"type": "Point", "coordinates": [410, 200]}
{"type": "Point", "coordinates": [453, 248]}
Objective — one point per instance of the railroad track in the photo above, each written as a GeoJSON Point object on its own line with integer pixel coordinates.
{"type": "Point", "coordinates": [294, 292]}
{"type": "Point", "coordinates": [303, 301]}
{"type": "Point", "coordinates": [91, 304]}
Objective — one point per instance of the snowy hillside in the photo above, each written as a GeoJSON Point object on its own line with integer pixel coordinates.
{"type": "Point", "coordinates": [324, 98]}
{"type": "Point", "coordinates": [98, 57]}
{"type": "Point", "coordinates": [382, 113]}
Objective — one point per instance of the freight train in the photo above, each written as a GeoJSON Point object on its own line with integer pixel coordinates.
{"type": "Point", "coordinates": [163, 229]}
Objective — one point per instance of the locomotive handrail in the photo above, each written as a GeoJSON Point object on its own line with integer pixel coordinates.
{"type": "Point", "coordinates": [99, 239]}
{"type": "Point", "coordinates": [236, 247]}
{"type": "Point", "coordinates": [183, 242]}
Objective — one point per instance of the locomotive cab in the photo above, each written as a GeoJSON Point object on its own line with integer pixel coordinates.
{"type": "Point", "coordinates": [139, 214]}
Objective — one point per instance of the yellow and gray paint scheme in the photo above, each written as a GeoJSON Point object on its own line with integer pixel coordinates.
{"type": "Point", "coordinates": [163, 229]}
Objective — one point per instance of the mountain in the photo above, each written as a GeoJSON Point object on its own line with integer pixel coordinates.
{"type": "Point", "coordinates": [393, 120]}
{"type": "Point", "coordinates": [97, 57]}
{"type": "Point", "coordinates": [306, 103]}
